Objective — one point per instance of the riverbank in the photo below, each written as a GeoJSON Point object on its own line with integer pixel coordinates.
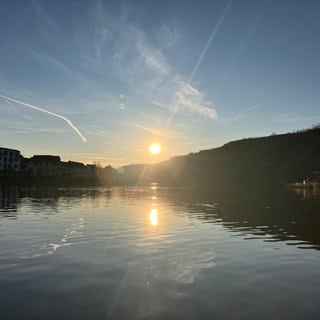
{"type": "Point", "coordinates": [58, 181]}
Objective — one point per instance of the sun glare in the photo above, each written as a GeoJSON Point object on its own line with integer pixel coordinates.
{"type": "Point", "coordinates": [155, 148]}
{"type": "Point", "coordinates": [153, 217]}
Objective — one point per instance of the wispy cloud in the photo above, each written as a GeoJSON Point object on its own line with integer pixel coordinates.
{"type": "Point", "coordinates": [168, 35]}
{"type": "Point", "coordinates": [255, 107]}
{"type": "Point", "coordinates": [242, 113]}
{"type": "Point", "coordinates": [138, 62]}
{"type": "Point", "coordinates": [188, 143]}
{"type": "Point", "coordinates": [162, 133]}
{"type": "Point", "coordinates": [99, 157]}
{"type": "Point", "coordinates": [188, 97]}
{"type": "Point", "coordinates": [91, 156]}
{"type": "Point", "coordinates": [33, 130]}
{"type": "Point", "coordinates": [158, 104]}
{"type": "Point", "coordinates": [124, 49]}
{"type": "Point", "coordinates": [45, 58]}
{"type": "Point", "coordinates": [44, 16]}
{"type": "Point", "coordinates": [118, 47]}
{"type": "Point", "coordinates": [245, 111]}
{"type": "Point", "coordinates": [83, 138]}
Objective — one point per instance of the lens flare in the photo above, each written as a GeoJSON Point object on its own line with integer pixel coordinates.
{"type": "Point", "coordinates": [123, 101]}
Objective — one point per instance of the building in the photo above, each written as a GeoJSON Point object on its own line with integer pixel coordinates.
{"type": "Point", "coordinates": [73, 168]}
{"type": "Point", "coordinates": [44, 165]}
{"type": "Point", "coordinates": [10, 161]}
{"type": "Point", "coordinates": [91, 169]}
{"type": "Point", "coordinates": [13, 163]}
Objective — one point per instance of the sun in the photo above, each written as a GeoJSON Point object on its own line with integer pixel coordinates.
{"type": "Point", "coordinates": [155, 148]}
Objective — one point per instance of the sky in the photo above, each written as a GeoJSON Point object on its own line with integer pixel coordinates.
{"type": "Point", "coordinates": [98, 81]}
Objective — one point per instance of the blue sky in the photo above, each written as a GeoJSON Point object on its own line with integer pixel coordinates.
{"type": "Point", "coordinates": [194, 74]}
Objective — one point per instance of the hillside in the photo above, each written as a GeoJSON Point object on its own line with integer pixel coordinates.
{"type": "Point", "coordinates": [254, 161]}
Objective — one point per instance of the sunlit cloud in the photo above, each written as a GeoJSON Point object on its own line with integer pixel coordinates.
{"type": "Point", "coordinates": [92, 156]}
{"type": "Point", "coordinates": [83, 138]}
{"type": "Point", "coordinates": [188, 97]}
{"type": "Point", "coordinates": [101, 159]}
{"type": "Point", "coordinates": [162, 133]}
{"type": "Point", "coordinates": [189, 142]}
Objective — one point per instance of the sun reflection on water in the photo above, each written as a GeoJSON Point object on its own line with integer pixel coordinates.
{"type": "Point", "coordinates": [153, 217]}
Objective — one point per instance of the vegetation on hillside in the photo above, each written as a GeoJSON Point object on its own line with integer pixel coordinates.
{"type": "Point", "coordinates": [269, 160]}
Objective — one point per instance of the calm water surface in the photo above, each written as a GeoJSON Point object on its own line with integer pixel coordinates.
{"type": "Point", "coordinates": [158, 253]}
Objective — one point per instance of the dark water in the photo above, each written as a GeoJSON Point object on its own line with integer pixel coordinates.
{"type": "Point", "coordinates": [156, 253]}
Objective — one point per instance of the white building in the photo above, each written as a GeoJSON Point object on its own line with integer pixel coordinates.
{"type": "Point", "coordinates": [10, 161]}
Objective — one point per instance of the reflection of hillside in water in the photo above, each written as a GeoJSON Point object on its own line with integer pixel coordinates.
{"type": "Point", "coordinates": [257, 214]}
{"type": "Point", "coordinates": [271, 215]}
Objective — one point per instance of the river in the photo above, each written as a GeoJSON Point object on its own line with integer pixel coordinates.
{"type": "Point", "coordinates": [158, 253]}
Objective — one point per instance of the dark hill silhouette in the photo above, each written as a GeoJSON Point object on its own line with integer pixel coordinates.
{"type": "Point", "coordinates": [263, 161]}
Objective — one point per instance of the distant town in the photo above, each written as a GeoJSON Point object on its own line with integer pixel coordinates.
{"type": "Point", "coordinates": [49, 169]}
{"type": "Point", "coordinates": [13, 163]}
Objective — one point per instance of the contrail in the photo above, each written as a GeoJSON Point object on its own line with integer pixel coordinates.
{"type": "Point", "coordinates": [203, 53]}
{"type": "Point", "coordinates": [83, 138]}
{"type": "Point", "coordinates": [206, 47]}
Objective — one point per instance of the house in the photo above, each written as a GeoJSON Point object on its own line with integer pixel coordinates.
{"type": "Point", "coordinates": [73, 168]}
{"type": "Point", "coordinates": [44, 165]}
{"type": "Point", "coordinates": [10, 161]}
{"type": "Point", "coordinates": [91, 170]}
